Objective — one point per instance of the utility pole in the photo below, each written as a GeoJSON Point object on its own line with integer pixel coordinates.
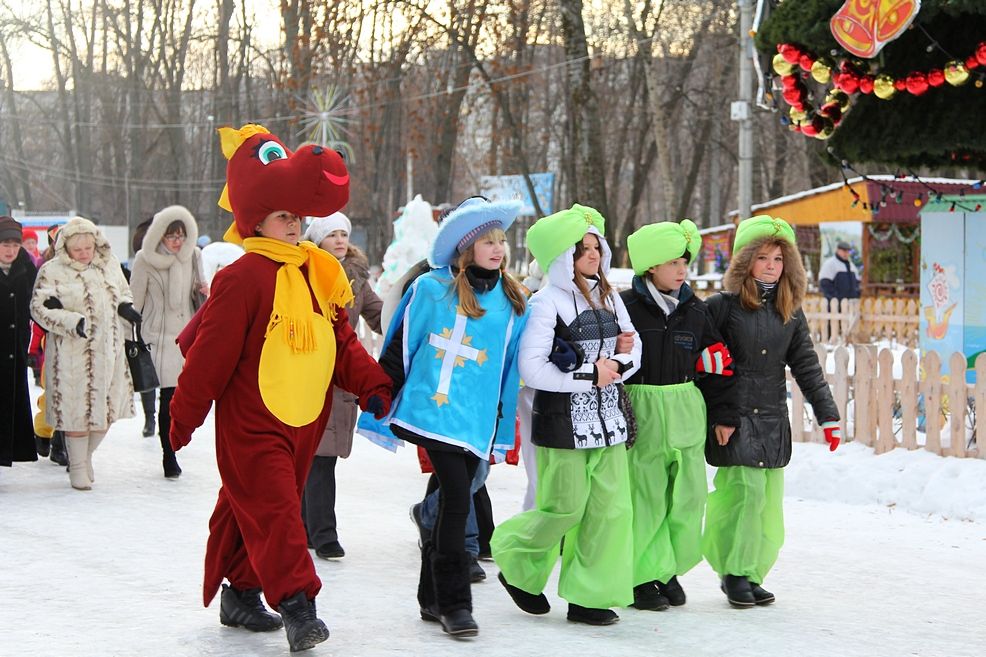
{"type": "Point", "coordinates": [741, 110]}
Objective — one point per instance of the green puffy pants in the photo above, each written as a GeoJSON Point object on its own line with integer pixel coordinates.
{"type": "Point", "coordinates": [668, 484]}
{"type": "Point", "coordinates": [744, 523]}
{"type": "Point", "coordinates": [583, 496]}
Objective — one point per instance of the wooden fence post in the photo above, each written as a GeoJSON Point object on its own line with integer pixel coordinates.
{"type": "Point", "coordinates": [958, 398]}
{"type": "Point", "coordinates": [909, 399]}
{"type": "Point", "coordinates": [931, 390]}
{"type": "Point", "coordinates": [841, 387]}
{"type": "Point", "coordinates": [885, 402]}
{"type": "Point", "coordinates": [862, 385]}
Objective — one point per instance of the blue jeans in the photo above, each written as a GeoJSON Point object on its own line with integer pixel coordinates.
{"type": "Point", "coordinates": [429, 508]}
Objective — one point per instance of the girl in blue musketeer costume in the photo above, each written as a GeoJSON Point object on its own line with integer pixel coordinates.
{"type": "Point", "coordinates": [452, 352]}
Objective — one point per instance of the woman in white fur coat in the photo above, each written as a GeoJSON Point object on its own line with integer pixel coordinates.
{"type": "Point", "coordinates": [166, 275]}
{"type": "Point", "coordinates": [82, 299]}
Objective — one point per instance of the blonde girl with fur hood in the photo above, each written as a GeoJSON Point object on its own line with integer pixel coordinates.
{"type": "Point", "coordinates": [166, 280]}
{"type": "Point", "coordinates": [82, 299]}
{"type": "Point", "coordinates": [759, 316]}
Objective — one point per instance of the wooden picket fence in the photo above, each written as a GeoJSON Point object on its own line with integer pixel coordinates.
{"type": "Point", "coordinates": [863, 320]}
{"type": "Point", "coordinates": [883, 412]}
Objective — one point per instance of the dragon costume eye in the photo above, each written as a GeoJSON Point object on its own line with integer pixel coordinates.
{"type": "Point", "coordinates": [270, 151]}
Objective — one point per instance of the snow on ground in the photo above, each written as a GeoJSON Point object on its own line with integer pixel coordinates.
{"type": "Point", "coordinates": [884, 557]}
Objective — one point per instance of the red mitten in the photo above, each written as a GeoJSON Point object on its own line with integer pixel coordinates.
{"type": "Point", "coordinates": [833, 434]}
{"type": "Point", "coordinates": [715, 359]}
{"type": "Point", "coordinates": [180, 435]}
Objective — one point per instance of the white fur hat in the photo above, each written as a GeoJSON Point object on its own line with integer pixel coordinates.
{"type": "Point", "coordinates": [322, 226]}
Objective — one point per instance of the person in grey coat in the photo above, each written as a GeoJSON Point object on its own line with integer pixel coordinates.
{"type": "Point", "coordinates": [318, 504]}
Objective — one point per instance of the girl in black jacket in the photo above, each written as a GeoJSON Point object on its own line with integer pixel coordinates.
{"type": "Point", "coordinates": [760, 318]}
{"type": "Point", "coordinates": [683, 357]}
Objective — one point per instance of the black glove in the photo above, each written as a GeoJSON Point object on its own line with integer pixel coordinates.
{"type": "Point", "coordinates": [378, 406]}
{"type": "Point", "coordinates": [52, 303]}
{"type": "Point", "coordinates": [127, 312]}
{"type": "Point", "coordinates": [80, 328]}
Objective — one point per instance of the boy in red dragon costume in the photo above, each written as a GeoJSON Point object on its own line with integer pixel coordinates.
{"type": "Point", "coordinates": [267, 347]}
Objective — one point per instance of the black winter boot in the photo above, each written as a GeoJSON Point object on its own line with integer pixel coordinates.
{"type": "Point", "coordinates": [476, 572]}
{"type": "Point", "coordinates": [738, 591]}
{"type": "Point", "coordinates": [42, 445]}
{"type": "Point", "coordinates": [590, 616]}
{"type": "Point", "coordinates": [647, 597]}
{"type": "Point", "coordinates": [532, 604]}
{"type": "Point", "coordinates": [761, 595]}
{"type": "Point", "coordinates": [147, 400]}
{"type": "Point", "coordinates": [672, 591]}
{"type": "Point", "coordinates": [452, 593]}
{"type": "Point", "coordinates": [171, 468]}
{"type": "Point", "coordinates": [426, 586]}
{"type": "Point", "coordinates": [244, 609]}
{"type": "Point", "coordinates": [303, 627]}
{"type": "Point", "coordinates": [58, 453]}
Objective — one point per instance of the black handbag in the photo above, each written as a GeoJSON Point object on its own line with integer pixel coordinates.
{"type": "Point", "coordinates": [141, 365]}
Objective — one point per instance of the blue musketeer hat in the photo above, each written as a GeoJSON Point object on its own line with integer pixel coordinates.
{"type": "Point", "coordinates": [472, 219]}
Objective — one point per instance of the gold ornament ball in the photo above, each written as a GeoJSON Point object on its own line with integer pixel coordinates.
{"type": "Point", "coordinates": [838, 96]}
{"type": "Point", "coordinates": [781, 66]}
{"type": "Point", "coordinates": [797, 115]}
{"type": "Point", "coordinates": [821, 72]}
{"type": "Point", "coordinates": [883, 87]}
{"type": "Point", "coordinates": [956, 74]}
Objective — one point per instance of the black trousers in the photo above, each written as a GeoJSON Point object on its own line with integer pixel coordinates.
{"type": "Point", "coordinates": [318, 504]}
{"type": "Point", "coordinates": [163, 419]}
{"type": "Point", "coordinates": [454, 471]}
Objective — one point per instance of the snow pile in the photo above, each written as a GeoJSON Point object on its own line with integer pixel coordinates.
{"type": "Point", "coordinates": [918, 482]}
{"type": "Point", "coordinates": [414, 232]}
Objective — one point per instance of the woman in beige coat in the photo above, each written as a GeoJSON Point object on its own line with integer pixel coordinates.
{"type": "Point", "coordinates": [318, 504]}
{"type": "Point", "coordinates": [82, 299]}
{"type": "Point", "coordinates": [166, 278]}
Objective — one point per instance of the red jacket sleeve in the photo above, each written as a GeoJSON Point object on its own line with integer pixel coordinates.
{"type": "Point", "coordinates": [215, 352]}
{"type": "Point", "coordinates": [355, 370]}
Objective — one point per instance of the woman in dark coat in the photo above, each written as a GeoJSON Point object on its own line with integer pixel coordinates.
{"type": "Point", "coordinates": [760, 318]}
{"type": "Point", "coordinates": [17, 274]}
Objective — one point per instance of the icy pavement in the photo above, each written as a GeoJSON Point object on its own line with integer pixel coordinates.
{"type": "Point", "coordinates": [117, 570]}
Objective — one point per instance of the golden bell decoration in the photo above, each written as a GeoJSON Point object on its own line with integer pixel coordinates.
{"type": "Point", "coordinates": [781, 66]}
{"type": "Point", "coordinates": [956, 74]}
{"type": "Point", "coordinates": [883, 87]}
{"type": "Point", "coordinates": [821, 72]}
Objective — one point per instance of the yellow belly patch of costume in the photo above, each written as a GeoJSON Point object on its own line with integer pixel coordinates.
{"type": "Point", "coordinates": [293, 383]}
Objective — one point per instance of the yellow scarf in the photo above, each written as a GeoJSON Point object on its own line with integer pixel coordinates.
{"type": "Point", "coordinates": [292, 303]}
{"type": "Point", "coordinates": [298, 356]}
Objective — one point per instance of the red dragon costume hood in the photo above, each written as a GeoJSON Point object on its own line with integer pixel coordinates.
{"type": "Point", "coordinates": [264, 176]}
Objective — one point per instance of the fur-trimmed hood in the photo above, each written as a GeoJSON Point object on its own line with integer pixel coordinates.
{"type": "Point", "coordinates": [81, 226]}
{"type": "Point", "coordinates": [794, 269]}
{"type": "Point", "coordinates": [357, 266]}
{"type": "Point", "coordinates": [155, 233]}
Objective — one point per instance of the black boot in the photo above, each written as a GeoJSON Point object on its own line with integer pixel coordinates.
{"type": "Point", "coordinates": [42, 445]}
{"type": "Point", "coordinates": [452, 593]}
{"type": "Point", "coordinates": [426, 585]}
{"type": "Point", "coordinates": [171, 468]}
{"type": "Point", "coordinates": [738, 591]}
{"type": "Point", "coordinates": [147, 401]}
{"type": "Point", "coordinates": [58, 453]}
{"type": "Point", "coordinates": [761, 595]}
{"type": "Point", "coordinates": [672, 591]}
{"type": "Point", "coordinates": [590, 616]}
{"type": "Point", "coordinates": [303, 627]}
{"type": "Point", "coordinates": [244, 609]}
{"type": "Point", "coordinates": [532, 604]}
{"type": "Point", "coordinates": [646, 596]}
{"type": "Point", "coordinates": [476, 572]}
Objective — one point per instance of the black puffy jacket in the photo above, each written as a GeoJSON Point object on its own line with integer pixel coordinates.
{"type": "Point", "coordinates": [762, 345]}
